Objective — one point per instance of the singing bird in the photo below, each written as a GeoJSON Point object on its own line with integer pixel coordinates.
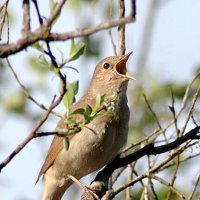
{"type": "Point", "coordinates": [98, 143]}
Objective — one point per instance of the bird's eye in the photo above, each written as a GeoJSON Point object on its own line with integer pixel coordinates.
{"type": "Point", "coordinates": [106, 65]}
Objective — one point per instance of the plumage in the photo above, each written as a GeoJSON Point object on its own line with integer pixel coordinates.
{"type": "Point", "coordinates": [100, 140]}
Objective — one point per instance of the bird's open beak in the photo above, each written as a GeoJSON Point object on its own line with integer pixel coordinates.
{"type": "Point", "coordinates": [121, 66]}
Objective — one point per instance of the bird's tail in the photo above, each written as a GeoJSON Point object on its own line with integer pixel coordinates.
{"type": "Point", "coordinates": [53, 192]}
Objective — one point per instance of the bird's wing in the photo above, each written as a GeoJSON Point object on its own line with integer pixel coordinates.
{"type": "Point", "coordinates": [53, 152]}
{"type": "Point", "coordinates": [57, 143]}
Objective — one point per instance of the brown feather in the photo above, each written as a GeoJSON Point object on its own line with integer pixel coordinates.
{"type": "Point", "coordinates": [58, 141]}
{"type": "Point", "coordinates": [52, 153]}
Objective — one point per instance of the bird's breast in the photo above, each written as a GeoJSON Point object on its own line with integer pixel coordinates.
{"type": "Point", "coordinates": [97, 143]}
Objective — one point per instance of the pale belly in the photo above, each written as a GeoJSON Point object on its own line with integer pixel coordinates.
{"type": "Point", "coordinates": [91, 149]}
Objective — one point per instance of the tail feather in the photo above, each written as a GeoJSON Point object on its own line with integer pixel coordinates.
{"type": "Point", "coordinates": [53, 192]}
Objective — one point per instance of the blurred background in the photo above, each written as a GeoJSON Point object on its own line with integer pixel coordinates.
{"type": "Point", "coordinates": [166, 56]}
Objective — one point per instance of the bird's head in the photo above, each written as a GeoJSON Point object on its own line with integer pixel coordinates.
{"type": "Point", "coordinates": [111, 73]}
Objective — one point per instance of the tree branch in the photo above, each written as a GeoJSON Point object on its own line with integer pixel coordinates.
{"type": "Point", "coordinates": [122, 47]}
{"type": "Point", "coordinates": [31, 135]}
{"type": "Point", "coordinates": [42, 33]}
{"type": "Point", "coordinates": [26, 17]}
{"type": "Point", "coordinates": [26, 91]}
{"type": "Point", "coordinates": [4, 12]}
{"type": "Point", "coordinates": [103, 176]}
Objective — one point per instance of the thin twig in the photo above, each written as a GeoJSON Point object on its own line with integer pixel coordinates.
{"type": "Point", "coordinates": [121, 28]}
{"type": "Point", "coordinates": [38, 12]}
{"type": "Point", "coordinates": [195, 188]}
{"type": "Point", "coordinates": [146, 184]}
{"type": "Point", "coordinates": [81, 185]}
{"type": "Point", "coordinates": [137, 174]}
{"type": "Point", "coordinates": [150, 149]}
{"type": "Point", "coordinates": [162, 167]}
{"type": "Point", "coordinates": [26, 17]}
{"type": "Point", "coordinates": [48, 133]}
{"type": "Point", "coordinates": [181, 161]}
{"type": "Point", "coordinates": [130, 178]}
{"type": "Point", "coordinates": [155, 117]}
{"type": "Point", "coordinates": [118, 174]}
{"type": "Point", "coordinates": [193, 119]}
{"type": "Point", "coordinates": [152, 170]}
{"type": "Point", "coordinates": [162, 181]}
{"type": "Point", "coordinates": [157, 132]}
{"type": "Point", "coordinates": [112, 41]}
{"type": "Point", "coordinates": [190, 110]}
{"type": "Point", "coordinates": [174, 176]}
{"type": "Point", "coordinates": [110, 31]}
{"type": "Point", "coordinates": [151, 165]}
{"type": "Point", "coordinates": [172, 109]}
{"type": "Point", "coordinates": [4, 8]}
{"type": "Point", "coordinates": [55, 13]}
{"type": "Point", "coordinates": [49, 52]}
{"type": "Point", "coordinates": [8, 28]}
{"type": "Point", "coordinates": [26, 91]}
{"type": "Point", "coordinates": [31, 135]}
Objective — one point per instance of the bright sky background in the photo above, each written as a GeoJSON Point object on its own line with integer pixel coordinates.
{"type": "Point", "coordinates": [174, 53]}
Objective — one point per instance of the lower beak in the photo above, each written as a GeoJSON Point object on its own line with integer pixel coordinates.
{"type": "Point", "coordinates": [121, 66]}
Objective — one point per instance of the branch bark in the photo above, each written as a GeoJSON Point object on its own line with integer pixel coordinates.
{"type": "Point", "coordinates": [44, 34]}
{"type": "Point", "coordinates": [100, 183]}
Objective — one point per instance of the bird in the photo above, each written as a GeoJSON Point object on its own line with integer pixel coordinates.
{"type": "Point", "coordinates": [100, 141]}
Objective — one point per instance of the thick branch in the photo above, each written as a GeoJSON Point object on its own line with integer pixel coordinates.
{"type": "Point", "coordinates": [99, 185]}
{"type": "Point", "coordinates": [149, 149]}
{"type": "Point", "coordinates": [43, 34]}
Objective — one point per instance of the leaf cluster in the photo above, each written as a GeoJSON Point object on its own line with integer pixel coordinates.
{"type": "Point", "coordinates": [88, 114]}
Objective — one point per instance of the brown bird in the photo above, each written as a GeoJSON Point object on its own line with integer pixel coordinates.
{"type": "Point", "coordinates": [98, 143]}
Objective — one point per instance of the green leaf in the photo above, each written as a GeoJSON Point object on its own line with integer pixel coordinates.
{"type": "Point", "coordinates": [78, 111]}
{"type": "Point", "coordinates": [69, 121]}
{"type": "Point", "coordinates": [37, 46]}
{"type": "Point", "coordinates": [99, 101]}
{"type": "Point", "coordinates": [35, 68]}
{"type": "Point", "coordinates": [45, 63]}
{"type": "Point", "coordinates": [93, 46]}
{"type": "Point", "coordinates": [66, 143]}
{"type": "Point", "coordinates": [68, 97]}
{"type": "Point", "coordinates": [52, 5]}
{"type": "Point", "coordinates": [76, 50]}
{"type": "Point", "coordinates": [88, 110]}
{"type": "Point", "coordinates": [75, 86]}
{"type": "Point", "coordinates": [87, 113]}
{"type": "Point", "coordinates": [74, 130]}
{"type": "Point", "coordinates": [107, 113]}
{"type": "Point", "coordinates": [15, 102]}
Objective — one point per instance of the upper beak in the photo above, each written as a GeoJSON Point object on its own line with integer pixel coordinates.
{"type": "Point", "coordinates": [121, 66]}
